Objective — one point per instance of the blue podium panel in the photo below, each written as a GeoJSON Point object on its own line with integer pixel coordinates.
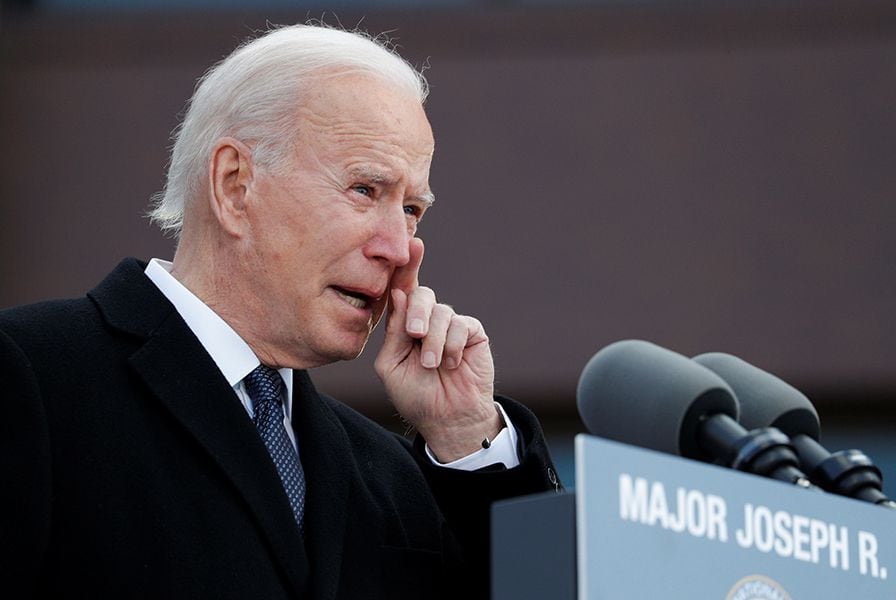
{"type": "Point", "coordinates": [651, 525]}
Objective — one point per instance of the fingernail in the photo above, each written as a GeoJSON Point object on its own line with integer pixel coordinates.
{"type": "Point", "coordinates": [429, 359]}
{"type": "Point", "coordinates": [416, 326]}
{"type": "Point", "coordinates": [450, 362]}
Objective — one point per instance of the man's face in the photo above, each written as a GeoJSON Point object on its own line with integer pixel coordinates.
{"type": "Point", "coordinates": [326, 236]}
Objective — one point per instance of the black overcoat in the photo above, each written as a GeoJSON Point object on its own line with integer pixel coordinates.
{"type": "Point", "coordinates": [130, 469]}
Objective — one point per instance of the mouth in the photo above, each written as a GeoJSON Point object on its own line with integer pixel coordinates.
{"type": "Point", "coordinates": [361, 299]}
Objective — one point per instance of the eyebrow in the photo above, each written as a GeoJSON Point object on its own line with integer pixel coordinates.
{"type": "Point", "coordinates": [428, 199]}
{"type": "Point", "coordinates": [370, 175]}
{"type": "Point", "coordinates": [378, 177]}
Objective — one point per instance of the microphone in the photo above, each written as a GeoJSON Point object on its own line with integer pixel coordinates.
{"type": "Point", "coordinates": [638, 393]}
{"type": "Point", "coordinates": [767, 401]}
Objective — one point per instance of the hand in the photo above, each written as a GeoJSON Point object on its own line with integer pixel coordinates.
{"type": "Point", "coordinates": [437, 367]}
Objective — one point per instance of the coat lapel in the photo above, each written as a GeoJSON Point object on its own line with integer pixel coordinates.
{"type": "Point", "coordinates": [182, 375]}
{"type": "Point", "coordinates": [329, 466]}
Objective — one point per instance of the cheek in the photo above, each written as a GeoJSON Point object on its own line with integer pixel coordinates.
{"type": "Point", "coordinates": [290, 242]}
{"type": "Point", "coordinates": [284, 271]}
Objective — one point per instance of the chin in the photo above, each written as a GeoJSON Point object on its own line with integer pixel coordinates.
{"type": "Point", "coordinates": [348, 349]}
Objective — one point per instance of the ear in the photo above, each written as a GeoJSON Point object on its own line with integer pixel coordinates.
{"type": "Point", "coordinates": [230, 174]}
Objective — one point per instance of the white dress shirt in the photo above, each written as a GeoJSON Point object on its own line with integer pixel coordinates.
{"type": "Point", "coordinates": [235, 360]}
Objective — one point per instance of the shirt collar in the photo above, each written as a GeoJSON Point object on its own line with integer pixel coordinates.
{"type": "Point", "coordinates": [228, 350]}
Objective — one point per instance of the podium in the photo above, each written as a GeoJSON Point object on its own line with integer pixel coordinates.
{"type": "Point", "coordinates": [642, 524]}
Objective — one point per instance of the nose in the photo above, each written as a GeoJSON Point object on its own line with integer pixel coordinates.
{"type": "Point", "coordinates": [390, 238]}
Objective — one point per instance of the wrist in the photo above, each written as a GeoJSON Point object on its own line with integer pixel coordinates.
{"type": "Point", "coordinates": [452, 443]}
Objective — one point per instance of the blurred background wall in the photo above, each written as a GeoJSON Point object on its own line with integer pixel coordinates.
{"type": "Point", "coordinates": [705, 175]}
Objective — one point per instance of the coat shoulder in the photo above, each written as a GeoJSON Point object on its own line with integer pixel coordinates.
{"type": "Point", "coordinates": [50, 327]}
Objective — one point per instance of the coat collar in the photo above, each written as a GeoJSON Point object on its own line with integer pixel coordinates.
{"type": "Point", "coordinates": [129, 302]}
{"type": "Point", "coordinates": [181, 374]}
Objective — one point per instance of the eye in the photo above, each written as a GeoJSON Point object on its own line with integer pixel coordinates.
{"type": "Point", "coordinates": [364, 190]}
{"type": "Point", "coordinates": [413, 211]}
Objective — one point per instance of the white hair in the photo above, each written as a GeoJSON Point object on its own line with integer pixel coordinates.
{"type": "Point", "coordinates": [253, 95]}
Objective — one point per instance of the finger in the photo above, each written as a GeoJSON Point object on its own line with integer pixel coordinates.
{"type": "Point", "coordinates": [397, 344]}
{"type": "Point", "coordinates": [406, 278]}
{"type": "Point", "coordinates": [455, 342]}
{"type": "Point", "coordinates": [464, 332]}
{"type": "Point", "coordinates": [476, 332]}
{"type": "Point", "coordinates": [419, 311]}
{"type": "Point", "coordinates": [434, 343]}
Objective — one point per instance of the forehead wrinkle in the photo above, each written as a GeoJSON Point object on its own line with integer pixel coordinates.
{"type": "Point", "coordinates": [345, 131]}
{"type": "Point", "coordinates": [352, 129]}
{"type": "Point", "coordinates": [381, 147]}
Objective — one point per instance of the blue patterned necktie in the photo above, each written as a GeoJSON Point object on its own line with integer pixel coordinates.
{"type": "Point", "coordinates": [264, 385]}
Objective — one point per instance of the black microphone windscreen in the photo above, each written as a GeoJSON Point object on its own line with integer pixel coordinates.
{"type": "Point", "coordinates": [765, 400]}
{"type": "Point", "coordinates": [636, 392]}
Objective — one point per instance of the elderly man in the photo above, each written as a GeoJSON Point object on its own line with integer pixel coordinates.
{"type": "Point", "coordinates": [161, 436]}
